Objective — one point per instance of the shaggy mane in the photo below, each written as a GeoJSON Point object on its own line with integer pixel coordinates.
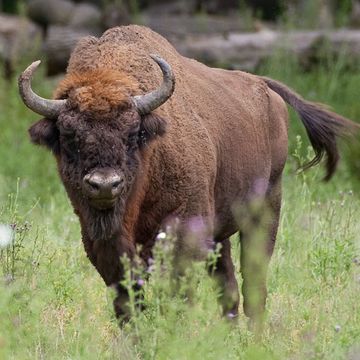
{"type": "Point", "coordinates": [98, 91]}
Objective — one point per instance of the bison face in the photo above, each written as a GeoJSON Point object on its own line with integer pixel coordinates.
{"type": "Point", "coordinates": [98, 132]}
{"type": "Point", "coordinates": [99, 158]}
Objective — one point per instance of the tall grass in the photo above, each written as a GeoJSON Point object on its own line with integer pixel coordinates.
{"type": "Point", "coordinates": [53, 304]}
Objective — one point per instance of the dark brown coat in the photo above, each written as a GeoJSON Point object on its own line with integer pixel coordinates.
{"type": "Point", "coordinates": [217, 144]}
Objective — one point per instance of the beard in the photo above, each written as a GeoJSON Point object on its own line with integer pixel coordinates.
{"type": "Point", "coordinates": [103, 225]}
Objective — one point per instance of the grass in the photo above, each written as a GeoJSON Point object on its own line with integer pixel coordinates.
{"type": "Point", "coordinates": [53, 304]}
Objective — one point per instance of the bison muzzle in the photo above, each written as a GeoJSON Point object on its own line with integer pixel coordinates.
{"type": "Point", "coordinates": [102, 187]}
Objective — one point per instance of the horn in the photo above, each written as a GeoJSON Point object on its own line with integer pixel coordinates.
{"type": "Point", "coordinates": [149, 102]}
{"type": "Point", "coordinates": [48, 108]}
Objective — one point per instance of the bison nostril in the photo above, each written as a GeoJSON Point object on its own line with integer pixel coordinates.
{"type": "Point", "coordinates": [116, 184]}
{"type": "Point", "coordinates": [93, 185]}
{"type": "Point", "coordinates": [103, 184]}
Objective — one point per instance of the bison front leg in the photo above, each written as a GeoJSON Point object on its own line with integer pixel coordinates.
{"type": "Point", "coordinates": [193, 242]}
{"type": "Point", "coordinates": [122, 306]}
{"type": "Point", "coordinates": [223, 272]}
{"type": "Point", "coordinates": [106, 257]}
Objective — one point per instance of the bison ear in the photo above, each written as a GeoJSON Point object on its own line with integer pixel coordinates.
{"type": "Point", "coordinates": [152, 126]}
{"type": "Point", "coordinates": [44, 132]}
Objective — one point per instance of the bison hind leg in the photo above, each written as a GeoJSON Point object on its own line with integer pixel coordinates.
{"type": "Point", "coordinates": [257, 240]}
{"type": "Point", "coordinates": [224, 274]}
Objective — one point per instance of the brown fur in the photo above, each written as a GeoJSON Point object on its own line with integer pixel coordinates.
{"type": "Point", "coordinates": [216, 145]}
{"type": "Point", "coordinates": [98, 91]}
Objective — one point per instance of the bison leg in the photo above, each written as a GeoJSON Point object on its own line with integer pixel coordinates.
{"type": "Point", "coordinates": [224, 274]}
{"type": "Point", "coordinates": [194, 241]}
{"type": "Point", "coordinates": [257, 238]}
{"type": "Point", "coordinates": [121, 302]}
{"type": "Point", "coordinates": [105, 256]}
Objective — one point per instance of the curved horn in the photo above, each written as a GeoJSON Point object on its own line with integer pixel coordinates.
{"type": "Point", "coordinates": [149, 102]}
{"type": "Point", "coordinates": [48, 108]}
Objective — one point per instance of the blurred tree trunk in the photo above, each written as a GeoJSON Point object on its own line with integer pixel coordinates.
{"type": "Point", "coordinates": [355, 14]}
{"type": "Point", "coordinates": [215, 6]}
{"type": "Point", "coordinates": [8, 6]}
{"type": "Point", "coordinates": [266, 9]}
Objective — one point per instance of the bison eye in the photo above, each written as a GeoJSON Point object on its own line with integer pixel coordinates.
{"type": "Point", "coordinates": [66, 131]}
{"type": "Point", "coordinates": [69, 143]}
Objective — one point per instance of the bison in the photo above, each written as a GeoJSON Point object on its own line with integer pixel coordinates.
{"type": "Point", "coordinates": [134, 151]}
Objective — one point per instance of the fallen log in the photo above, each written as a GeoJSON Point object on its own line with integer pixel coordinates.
{"type": "Point", "coordinates": [245, 51]}
{"type": "Point", "coordinates": [248, 50]}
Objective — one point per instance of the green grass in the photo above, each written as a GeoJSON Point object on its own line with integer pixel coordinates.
{"type": "Point", "coordinates": [53, 304]}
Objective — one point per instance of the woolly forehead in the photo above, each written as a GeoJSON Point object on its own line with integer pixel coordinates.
{"type": "Point", "coordinates": [97, 91]}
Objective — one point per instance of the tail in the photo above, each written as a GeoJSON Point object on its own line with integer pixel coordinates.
{"type": "Point", "coordinates": [322, 126]}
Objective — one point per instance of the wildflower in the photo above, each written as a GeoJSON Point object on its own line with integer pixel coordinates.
{"type": "Point", "coordinates": [140, 282]}
{"type": "Point", "coordinates": [6, 235]}
{"type": "Point", "coordinates": [260, 186]}
{"type": "Point", "coordinates": [230, 315]}
{"type": "Point", "coordinates": [197, 226]}
{"type": "Point", "coordinates": [161, 236]}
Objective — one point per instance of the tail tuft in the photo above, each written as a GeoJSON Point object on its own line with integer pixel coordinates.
{"type": "Point", "coordinates": [322, 126]}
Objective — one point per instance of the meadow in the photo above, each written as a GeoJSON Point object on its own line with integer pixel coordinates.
{"type": "Point", "coordinates": [54, 305]}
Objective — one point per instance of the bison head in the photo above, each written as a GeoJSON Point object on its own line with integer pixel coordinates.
{"type": "Point", "coordinates": [98, 134]}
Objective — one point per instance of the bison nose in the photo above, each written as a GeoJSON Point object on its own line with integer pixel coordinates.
{"type": "Point", "coordinates": [103, 184]}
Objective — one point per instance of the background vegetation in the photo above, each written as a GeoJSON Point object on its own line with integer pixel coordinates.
{"type": "Point", "coordinates": [54, 305]}
{"type": "Point", "coordinates": [337, 12]}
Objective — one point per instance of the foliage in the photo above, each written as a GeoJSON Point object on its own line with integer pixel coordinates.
{"type": "Point", "coordinates": [272, 10]}
{"type": "Point", "coordinates": [53, 303]}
